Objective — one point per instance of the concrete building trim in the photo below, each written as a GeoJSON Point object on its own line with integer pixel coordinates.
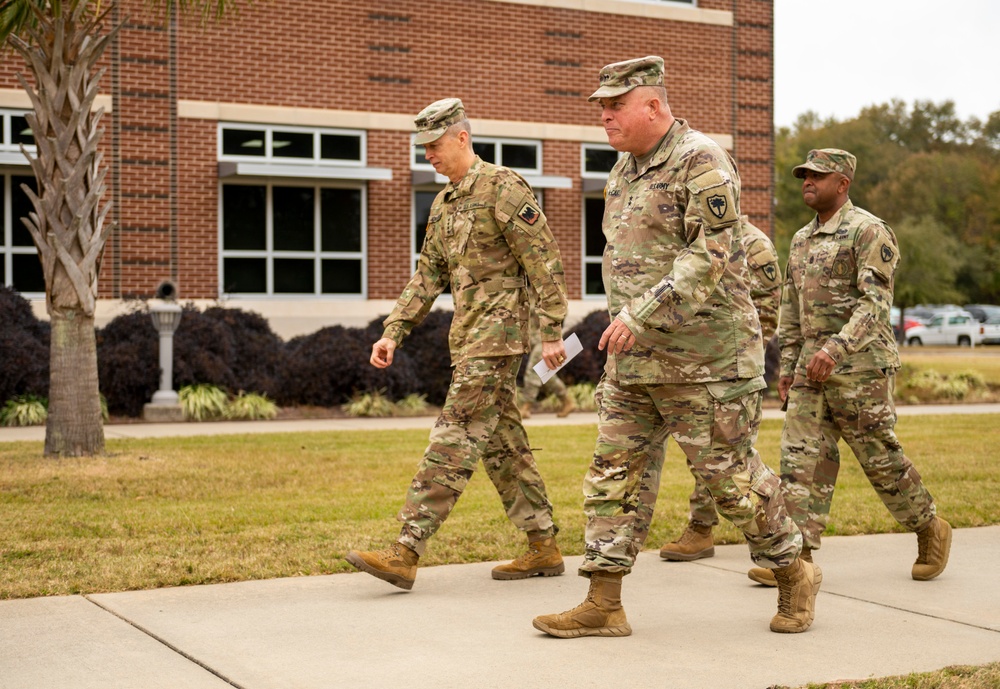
{"type": "Point", "coordinates": [636, 8]}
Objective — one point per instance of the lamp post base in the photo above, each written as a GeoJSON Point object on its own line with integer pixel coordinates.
{"type": "Point", "coordinates": [162, 413]}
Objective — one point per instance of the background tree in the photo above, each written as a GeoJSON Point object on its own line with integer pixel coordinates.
{"type": "Point", "coordinates": [61, 42]}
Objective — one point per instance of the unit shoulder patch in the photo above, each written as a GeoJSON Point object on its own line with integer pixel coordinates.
{"type": "Point", "coordinates": [529, 214]}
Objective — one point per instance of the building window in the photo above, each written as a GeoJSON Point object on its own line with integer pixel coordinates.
{"type": "Point", "coordinates": [523, 155]}
{"type": "Point", "coordinates": [291, 144]}
{"type": "Point", "coordinates": [596, 162]}
{"type": "Point", "coordinates": [292, 238]}
{"type": "Point", "coordinates": [19, 264]}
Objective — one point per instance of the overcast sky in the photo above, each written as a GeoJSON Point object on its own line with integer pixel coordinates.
{"type": "Point", "coordinates": [835, 57]}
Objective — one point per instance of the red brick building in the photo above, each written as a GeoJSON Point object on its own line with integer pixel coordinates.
{"type": "Point", "coordinates": [267, 161]}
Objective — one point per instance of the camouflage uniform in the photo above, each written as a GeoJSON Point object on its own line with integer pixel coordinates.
{"type": "Point", "coordinates": [487, 238]}
{"type": "Point", "coordinates": [533, 385]}
{"type": "Point", "coordinates": [837, 298]}
{"type": "Point", "coordinates": [695, 370]}
{"type": "Point", "coordinates": [764, 279]}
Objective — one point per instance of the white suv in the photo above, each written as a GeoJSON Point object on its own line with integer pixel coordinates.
{"type": "Point", "coordinates": [946, 328]}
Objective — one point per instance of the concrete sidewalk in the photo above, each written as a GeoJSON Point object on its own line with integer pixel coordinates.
{"type": "Point", "coordinates": [700, 625]}
{"type": "Point", "coordinates": [160, 430]}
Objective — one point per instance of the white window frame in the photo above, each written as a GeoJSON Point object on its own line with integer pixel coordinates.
{"type": "Point", "coordinates": [269, 157]}
{"type": "Point", "coordinates": [8, 250]}
{"type": "Point", "coordinates": [269, 253]}
{"type": "Point", "coordinates": [585, 258]}
{"type": "Point", "coordinates": [496, 141]}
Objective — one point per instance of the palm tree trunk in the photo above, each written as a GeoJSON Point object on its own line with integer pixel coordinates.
{"type": "Point", "coordinates": [68, 223]}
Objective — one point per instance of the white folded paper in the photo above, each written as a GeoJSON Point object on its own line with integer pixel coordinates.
{"type": "Point", "coordinates": [573, 347]}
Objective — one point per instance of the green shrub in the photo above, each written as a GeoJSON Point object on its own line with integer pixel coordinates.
{"type": "Point", "coordinates": [412, 405]}
{"type": "Point", "coordinates": [24, 410]}
{"type": "Point", "coordinates": [203, 402]}
{"type": "Point", "coordinates": [975, 379]}
{"type": "Point", "coordinates": [368, 404]}
{"type": "Point", "coordinates": [583, 395]}
{"type": "Point", "coordinates": [250, 406]}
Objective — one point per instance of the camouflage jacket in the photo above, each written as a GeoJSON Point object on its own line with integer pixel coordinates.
{"type": "Point", "coordinates": [668, 266]}
{"type": "Point", "coordinates": [838, 294]}
{"type": "Point", "coordinates": [764, 277]}
{"type": "Point", "coordinates": [485, 237]}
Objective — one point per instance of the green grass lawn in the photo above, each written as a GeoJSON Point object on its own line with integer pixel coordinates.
{"type": "Point", "coordinates": [168, 512]}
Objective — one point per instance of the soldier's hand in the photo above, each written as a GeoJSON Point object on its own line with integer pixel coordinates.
{"type": "Point", "coordinates": [617, 338]}
{"type": "Point", "coordinates": [554, 354]}
{"type": "Point", "coordinates": [820, 366]}
{"type": "Point", "coordinates": [382, 352]}
{"type": "Point", "coordinates": [784, 383]}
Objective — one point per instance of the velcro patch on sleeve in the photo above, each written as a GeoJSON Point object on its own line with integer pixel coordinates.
{"type": "Point", "coordinates": [529, 213]}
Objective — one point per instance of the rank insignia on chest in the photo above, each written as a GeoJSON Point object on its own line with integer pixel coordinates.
{"type": "Point", "coordinates": [886, 253]}
{"type": "Point", "coordinates": [718, 204]}
{"type": "Point", "coordinates": [770, 271]}
{"type": "Point", "coordinates": [528, 214]}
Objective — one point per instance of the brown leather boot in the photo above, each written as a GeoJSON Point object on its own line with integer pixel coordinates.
{"type": "Point", "coordinates": [765, 576]}
{"type": "Point", "coordinates": [933, 548]}
{"type": "Point", "coordinates": [694, 544]}
{"type": "Point", "coordinates": [600, 614]}
{"type": "Point", "coordinates": [397, 564]}
{"type": "Point", "coordinates": [568, 407]}
{"type": "Point", "coordinates": [543, 558]}
{"type": "Point", "coordinates": [526, 410]}
{"type": "Point", "coordinates": [798, 584]}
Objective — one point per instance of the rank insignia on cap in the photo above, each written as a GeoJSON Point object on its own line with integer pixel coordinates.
{"type": "Point", "coordinates": [528, 214]}
{"type": "Point", "coordinates": [770, 271]}
{"type": "Point", "coordinates": [718, 204]}
{"type": "Point", "coordinates": [886, 253]}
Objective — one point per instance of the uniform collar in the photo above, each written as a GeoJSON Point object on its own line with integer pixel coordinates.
{"type": "Point", "coordinates": [831, 225]}
{"type": "Point", "coordinates": [667, 145]}
{"type": "Point", "coordinates": [464, 186]}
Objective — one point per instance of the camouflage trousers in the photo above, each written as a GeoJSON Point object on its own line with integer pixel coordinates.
{"type": "Point", "coordinates": [715, 426]}
{"type": "Point", "coordinates": [857, 407]}
{"type": "Point", "coordinates": [479, 421]}
{"type": "Point", "coordinates": [533, 384]}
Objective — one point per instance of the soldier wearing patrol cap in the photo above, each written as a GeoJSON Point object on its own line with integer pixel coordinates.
{"type": "Point", "coordinates": [685, 357]}
{"type": "Point", "coordinates": [838, 364]}
{"type": "Point", "coordinates": [488, 239]}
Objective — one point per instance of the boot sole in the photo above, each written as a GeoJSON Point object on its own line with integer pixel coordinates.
{"type": "Point", "coordinates": [947, 553]}
{"type": "Point", "coordinates": [624, 630]}
{"type": "Point", "coordinates": [687, 557]}
{"type": "Point", "coordinates": [394, 579]}
{"type": "Point", "coordinates": [815, 592]}
{"type": "Point", "coordinates": [761, 580]}
{"type": "Point", "coordinates": [542, 571]}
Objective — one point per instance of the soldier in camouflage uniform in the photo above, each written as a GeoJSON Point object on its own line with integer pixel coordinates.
{"type": "Point", "coordinates": [838, 364]}
{"type": "Point", "coordinates": [764, 279]}
{"type": "Point", "coordinates": [488, 239]}
{"type": "Point", "coordinates": [685, 358]}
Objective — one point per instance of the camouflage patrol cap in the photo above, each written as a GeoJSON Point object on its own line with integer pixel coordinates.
{"type": "Point", "coordinates": [824, 160]}
{"type": "Point", "coordinates": [622, 77]}
{"type": "Point", "coordinates": [434, 120]}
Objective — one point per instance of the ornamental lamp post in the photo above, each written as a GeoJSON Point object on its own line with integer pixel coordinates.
{"type": "Point", "coordinates": [166, 315]}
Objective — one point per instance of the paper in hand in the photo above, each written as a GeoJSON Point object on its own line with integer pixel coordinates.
{"type": "Point", "coordinates": [573, 347]}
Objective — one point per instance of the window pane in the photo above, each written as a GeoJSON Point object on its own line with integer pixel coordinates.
{"type": "Point", "coordinates": [340, 147]}
{"type": "Point", "coordinates": [243, 142]}
{"type": "Point", "coordinates": [599, 160]}
{"type": "Point", "coordinates": [292, 145]}
{"type": "Point", "coordinates": [20, 131]}
{"type": "Point", "coordinates": [594, 282]}
{"type": "Point", "coordinates": [26, 273]}
{"type": "Point", "coordinates": [20, 207]}
{"type": "Point", "coordinates": [244, 217]}
{"type": "Point", "coordinates": [518, 155]}
{"type": "Point", "coordinates": [422, 201]}
{"type": "Point", "coordinates": [487, 152]}
{"type": "Point", "coordinates": [244, 275]}
{"type": "Point", "coordinates": [341, 277]}
{"type": "Point", "coordinates": [593, 217]}
{"type": "Point", "coordinates": [293, 218]}
{"type": "Point", "coordinates": [340, 220]}
{"type": "Point", "coordinates": [293, 276]}
{"type": "Point", "coordinates": [420, 155]}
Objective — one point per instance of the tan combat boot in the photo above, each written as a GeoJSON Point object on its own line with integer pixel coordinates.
{"type": "Point", "coordinates": [568, 407]}
{"type": "Point", "coordinates": [526, 410]}
{"type": "Point", "coordinates": [765, 576]}
{"type": "Point", "coordinates": [601, 614]}
{"type": "Point", "coordinates": [694, 544]}
{"type": "Point", "coordinates": [397, 564]}
{"type": "Point", "coordinates": [543, 557]}
{"type": "Point", "coordinates": [933, 548]}
{"type": "Point", "coordinates": [798, 584]}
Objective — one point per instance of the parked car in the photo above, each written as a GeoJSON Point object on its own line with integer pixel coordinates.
{"type": "Point", "coordinates": [908, 322]}
{"type": "Point", "coordinates": [946, 328]}
{"type": "Point", "coordinates": [989, 330]}
{"type": "Point", "coordinates": [982, 311]}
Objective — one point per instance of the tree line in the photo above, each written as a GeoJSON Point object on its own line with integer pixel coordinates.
{"type": "Point", "coordinates": [934, 178]}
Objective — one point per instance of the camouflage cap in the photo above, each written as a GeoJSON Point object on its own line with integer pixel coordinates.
{"type": "Point", "coordinates": [622, 77]}
{"type": "Point", "coordinates": [826, 160]}
{"type": "Point", "coordinates": [434, 120]}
